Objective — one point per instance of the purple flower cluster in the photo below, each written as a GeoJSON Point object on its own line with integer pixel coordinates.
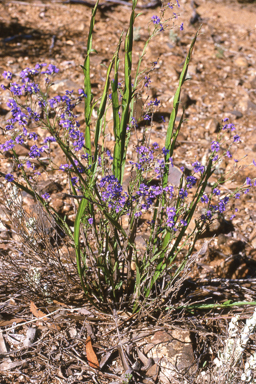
{"type": "Point", "coordinates": [112, 193]}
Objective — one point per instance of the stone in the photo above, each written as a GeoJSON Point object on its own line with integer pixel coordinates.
{"type": "Point", "coordinates": [21, 150]}
{"type": "Point", "coordinates": [65, 84]}
{"type": "Point", "coordinates": [212, 125]}
{"type": "Point", "coordinates": [174, 354]}
{"type": "Point", "coordinates": [174, 176]}
{"type": "Point", "coordinates": [237, 114]}
{"type": "Point", "coordinates": [241, 62]}
{"type": "Point", "coordinates": [48, 186]}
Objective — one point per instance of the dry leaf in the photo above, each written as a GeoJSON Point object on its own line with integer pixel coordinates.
{"type": "Point", "coordinates": [91, 355]}
{"type": "Point", "coordinates": [35, 311]}
{"type": "Point", "coordinates": [5, 323]}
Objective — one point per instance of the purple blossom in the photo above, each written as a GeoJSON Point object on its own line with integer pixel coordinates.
{"type": "Point", "coordinates": [216, 191]}
{"type": "Point", "coordinates": [35, 151]}
{"type": "Point", "coordinates": [191, 181]}
{"type": "Point", "coordinates": [155, 146]}
{"type": "Point", "coordinates": [90, 220]}
{"type": "Point", "coordinates": [19, 139]}
{"type": "Point", "coordinates": [9, 177]}
{"type": "Point", "coordinates": [7, 75]}
{"type": "Point", "coordinates": [7, 145]}
{"type": "Point", "coordinates": [74, 180]}
{"type": "Point", "coordinates": [49, 139]}
{"type": "Point", "coordinates": [184, 223]}
{"type": "Point", "coordinates": [236, 139]}
{"type": "Point", "coordinates": [46, 196]}
{"type": "Point", "coordinates": [181, 27]}
{"type": "Point", "coordinates": [225, 119]}
{"type": "Point", "coordinates": [156, 102]}
{"type": "Point", "coordinates": [82, 93]}
{"type": "Point", "coordinates": [205, 199]}
{"type": "Point", "coordinates": [165, 151]}
{"type": "Point", "coordinates": [147, 78]}
{"type": "Point", "coordinates": [178, 3]}
{"type": "Point", "coordinates": [215, 146]}
{"type": "Point", "coordinates": [254, 162]}
{"type": "Point", "coordinates": [170, 5]}
{"type": "Point", "coordinates": [229, 155]}
{"type": "Point", "coordinates": [248, 181]}
{"type": "Point", "coordinates": [155, 19]}
{"type": "Point", "coordinates": [198, 167]}
{"type": "Point", "coordinates": [237, 195]}
{"type": "Point", "coordinates": [16, 89]}
{"type": "Point", "coordinates": [147, 117]}
{"type": "Point", "coordinates": [33, 135]}
{"type": "Point", "coordinates": [183, 193]}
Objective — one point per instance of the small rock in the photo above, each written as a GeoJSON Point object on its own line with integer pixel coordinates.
{"type": "Point", "coordinates": [237, 114]}
{"type": "Point", "coordinates": [21, 150]}
{"type": "Point", "coordinates": [212, 125]}
{"type": "Point", "coordinates": [175, 351]}
{"type": "Point", "coordinates": [241, 62]}
{"type": "Point", "coordinates": [175, 174]}
{"type": "Point", "coordinates": [251, 106]}
{"type": "Point", "coordinates": [65, 84]}
{"type": "Point", "coordinates": [48, 186]}
{"type": "Point", "coordinates": [253, 242]}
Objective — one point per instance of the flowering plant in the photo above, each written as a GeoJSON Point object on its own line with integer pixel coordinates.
{"type": "Point", "coordinates": [114, 268]}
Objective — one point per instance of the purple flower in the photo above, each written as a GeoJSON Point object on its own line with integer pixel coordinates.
{"type": "Point", "coordinates": [7, 145]}
{"type": "Point", "coordinates": [155, 146]}
{"type": "Point", "coordinates": [81, 93]}
{"type": "Point", "coordinates": [183, 193]}
{"type": "Point", "coordinates": [248, 181]}
{"type": "Point", "coordinates": [46, 196]}
{"type": "Point", "coordinates": [7, 75]}
{"type": "Point", "coordinates": [33, 135]}
{"type": "Point", "coordinates": [191, 181]}
{"type": "Point", "coordinates": [155, 19]}
{"type": "Point", "coordinates": [90, 221]}
{"type": "Point", "coordinates": [165, 151]}
{"type": "Point", "coordinates": [254, 163]}
{"type": "Point", "coordinates": [74, 180]}
{"type": "Point", "coordinates": [147, 78]}
{"type": "Point", "coordinates": [215, 146]}
{"type": "Point", "coordinates": [35, 151]}
{"type": "Point", "coordinates": [16, 89]}
{"type": "Point", "coordinates": [246, 191]}
{"type": "Point", "coordinates": [226, 119]}
{"type": "Point", "coordinates": [170, 5]}
{"type": "Point", "coordinates": [181, 27]}
{"type": "Point", "coordinates": [156, 102]}
{"type": "Point", "coordinates": [49, 139]}
{"type": "Point", "coordinates": [146, 117]}
{"type": "Point", "coordinates": [229, 155]}
{"type": "Point", "coordinates": [184, 223]}
{"type": "Point", "coordinates": [198, 167]}
{"type": "Point", "coordinates": [19, 139]}
{"type": "Point", "coordinates": [216, 191]}
{"type": "Point", "coordinates": [205, 199]}
{"type": "Point", "coordinates": [178, 3]}
{"type": "Point", "coordinates": [9, 177]}
{"type": "Point", "coordinates": [236, 139]}
{"type": "Point", "coordinates": [237, 195]}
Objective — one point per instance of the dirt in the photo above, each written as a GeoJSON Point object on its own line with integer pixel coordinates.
{"type": "Point", "coordinates": [222, 83]}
